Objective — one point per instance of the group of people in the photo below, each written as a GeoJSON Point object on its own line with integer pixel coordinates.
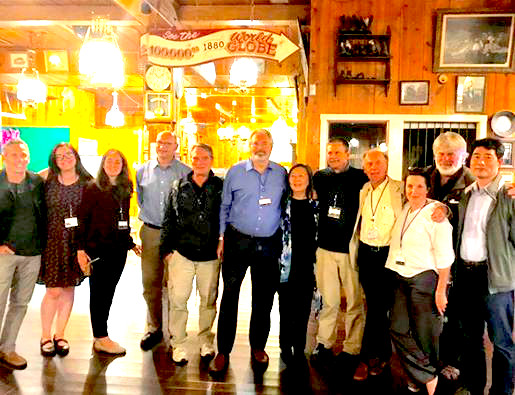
{"type": "Point", "coordinates": [389, 249]}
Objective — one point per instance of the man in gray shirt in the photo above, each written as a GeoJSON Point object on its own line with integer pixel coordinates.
{"type": "Point", "coordinates": [22, 230]}
{"type": "Point", "coordinates": [153, 182]}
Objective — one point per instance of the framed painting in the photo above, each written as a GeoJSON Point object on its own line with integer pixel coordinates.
{"type": "Point", "coordinates": [474, 41]}
{"type": "Point", "coordinates": [507, 159]}
{"type": "Point", "coordinates": [470, 93]}
{"type": "Point", "coordinates": [413, 92]}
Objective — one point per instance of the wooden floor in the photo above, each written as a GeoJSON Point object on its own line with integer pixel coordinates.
{"type": "Point", "coordinates": [152, 372]}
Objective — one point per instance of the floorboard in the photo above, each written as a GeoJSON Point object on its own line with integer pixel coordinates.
{"type": "Point", "coordinates": [85, 372]}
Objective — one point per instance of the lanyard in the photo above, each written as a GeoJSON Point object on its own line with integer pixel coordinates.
{"type": "Point", "coordinates": [404, 227]}
{"type": "Point", "coordinates": [377, 205]}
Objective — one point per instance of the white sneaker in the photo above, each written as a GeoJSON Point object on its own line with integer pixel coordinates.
{"type": "Point", "coordinates": [207, 350]}
{"type": "Point", "coordinates": [179, 355]}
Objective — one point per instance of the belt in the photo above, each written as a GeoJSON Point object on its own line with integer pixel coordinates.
{"type": "Point", "coordinates": [373, 248]}
{"type": "Point", "coordinates": [470, 264]}
{"type": "Point", "coordinates": [233, 229]}
{"type": "Point", "coordinates": [152, 226]}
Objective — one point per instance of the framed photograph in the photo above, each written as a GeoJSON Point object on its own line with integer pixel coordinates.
{"type": "Point", "coordinates": [507, 159]}
{"type": "Point", "coordinates": [413, 92]}
{"type": "Point", "coordinates": [474, 41]}
{"type": "Point", "coordinates": [470, 93]}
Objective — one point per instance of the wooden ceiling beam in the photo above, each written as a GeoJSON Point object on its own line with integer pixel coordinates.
{"type": "Point", "coordinates": [69, 15]}
{"type": "Point", "coordinates": [133, 7]}
{"type": "Point", "coordinates": [231, 15]}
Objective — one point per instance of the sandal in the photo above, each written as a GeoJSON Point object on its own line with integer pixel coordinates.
{"type": "Point", "coordinates": [47, 348]}
{"type": "Point", "coordinates": [62, 348]}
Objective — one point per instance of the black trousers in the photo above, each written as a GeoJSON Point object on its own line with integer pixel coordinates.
{"type": "Point", "coordinates": [105, 274]}
{"type": "Point", "coordinates": [377, 284]}
{"type": "Point", "coordinates": [295, 298]}
{"type": "Point", "coordinates": [261, 254]}
{"type": "Point", "coordinates": [416, 325]}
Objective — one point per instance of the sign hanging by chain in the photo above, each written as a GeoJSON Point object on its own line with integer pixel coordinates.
{"type": "Point", "coordinates": [189, 48]}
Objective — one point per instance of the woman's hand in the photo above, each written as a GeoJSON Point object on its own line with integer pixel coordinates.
{"type": "Point", "coordinates": [83, 259]}
{"type": "Point", "coordinates": [137, 250]}
{"type": "Point", "coordinates": [440, 213]}
{"type": "Point", "coordinates": [441, 301]}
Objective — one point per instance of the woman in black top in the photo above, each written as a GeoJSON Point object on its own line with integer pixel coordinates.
{"type": "Point", "coordinates": [298, 224]}
{"type": "Point", "coordinates": [105, 234]}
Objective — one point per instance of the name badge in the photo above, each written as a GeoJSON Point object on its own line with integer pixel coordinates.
{"type": "Point", "coordinates": [400, 260]}
{"type": "Point", "coordinates": [123, 225]}
{"type": "Point", "coordinates": [71, 222]}
{"type": "Point", "coordinates": [334, 212]}
{"type": "Point", "coordinates": [265, 201]}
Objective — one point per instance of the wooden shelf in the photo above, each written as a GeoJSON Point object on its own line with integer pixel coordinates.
{"type": "Point", "coordinates": [383, 39]}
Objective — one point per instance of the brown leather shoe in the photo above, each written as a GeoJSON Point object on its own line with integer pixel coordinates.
{"type": "Point", "coordinates": [361, 373]}
{"type": "Point", "coordinates": [219, 364]}
{"type": "Point", "coordinates": [259, 356]}
{"type": "Point", "coordinates": [13, 360]}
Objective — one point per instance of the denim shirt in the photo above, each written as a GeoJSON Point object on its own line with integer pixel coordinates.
{"type": "Point", "coordinates": [244, 188]}
{"type": "Point", "coordinates": [153, 184]}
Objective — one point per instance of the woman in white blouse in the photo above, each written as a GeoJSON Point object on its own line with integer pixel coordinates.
{"type": "Point", "coordinates": [421, 254]}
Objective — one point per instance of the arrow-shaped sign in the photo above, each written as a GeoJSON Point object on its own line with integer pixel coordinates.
{"type": "Point", "coordinates": [217, 45]}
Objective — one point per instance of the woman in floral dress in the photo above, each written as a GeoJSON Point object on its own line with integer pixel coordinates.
{"type": "Point", "coordinates": [60, 271]}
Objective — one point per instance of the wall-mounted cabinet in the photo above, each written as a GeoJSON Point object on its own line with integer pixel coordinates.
{"type": "Point", "coordinates": [354, 49]}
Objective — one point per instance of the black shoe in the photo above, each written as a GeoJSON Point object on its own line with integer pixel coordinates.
{"type": "Point", "coordinates": [287, 356]}
{"type": "Point", "coordinates": [322, 356]}
{"type": "Point", "coordinates": [218, 366]}
{"type": "Point", "coordinates": [150, 340]}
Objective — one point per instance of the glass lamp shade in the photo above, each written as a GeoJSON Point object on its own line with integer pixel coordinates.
{"type": "Point", "coordinates": [102, 61]}
{"type": "Point", "coordinates": [114, 116]}
{"type": "Point", "coordinates": [244, 72]}
{"type": "Point", "coordinates": [31, 89]}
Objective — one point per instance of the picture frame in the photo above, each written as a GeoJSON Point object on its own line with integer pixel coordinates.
{"type": "Point", "coordinates": [158, 106]}
{"type": "Point", "coordinates": [474, 41]}
{"type": "Point", "coordinates": [508, 158]}
{"type": "Point", "coordinates": [470, 93]}
{"type": "Point", "coordinates": [413, 93]}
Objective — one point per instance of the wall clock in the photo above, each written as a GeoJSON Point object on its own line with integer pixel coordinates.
{"type": "Point", "coordinates": [158, 78]}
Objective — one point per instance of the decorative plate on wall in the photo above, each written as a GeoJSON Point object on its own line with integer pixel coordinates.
{"type": "Point", "coordinates": [503, 123]}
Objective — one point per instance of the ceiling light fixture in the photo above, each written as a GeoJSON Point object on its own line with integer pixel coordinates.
{"type": "Point", "coordinates": [114, 116]}
{"type": "Point", "coordinates": [30, 88]}
{"type": "Point", "coordinates": [244, 73]}
{"type": "Point", "coordinates": [100, 57]}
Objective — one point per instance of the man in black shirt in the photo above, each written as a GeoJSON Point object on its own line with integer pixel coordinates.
{"type": "Point", "coordinates": [22, 229]}
{"type": "Point", "coordinates": [338, 189]}
{"type": "Point", "coordinates": [189, 240]}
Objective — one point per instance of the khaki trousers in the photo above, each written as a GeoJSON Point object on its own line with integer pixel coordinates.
{"type": "Point", "coordinates": [336, 279]}
{"type": "Point", "coordinates": [181, 272]}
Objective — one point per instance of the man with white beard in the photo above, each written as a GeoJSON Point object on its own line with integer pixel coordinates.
{"type": "Point", "coordinates": [449, 178]}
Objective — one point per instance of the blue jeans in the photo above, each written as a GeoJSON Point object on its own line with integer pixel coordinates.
{"type": "Point", "coordinates": [18, 275]}
{"type": "Point", "coordinates": [499, 319]}
{"type": "Point", "coordinates": [475, 306]}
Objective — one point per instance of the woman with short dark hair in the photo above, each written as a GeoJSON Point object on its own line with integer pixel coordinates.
{"type": "Point", "coordinates": [104, 241]}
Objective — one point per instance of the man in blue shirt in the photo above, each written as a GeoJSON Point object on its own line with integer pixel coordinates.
{"type": "Point", "coordinates": [250, 236]}
{"type": "Point", "coordinates": [153, 182]}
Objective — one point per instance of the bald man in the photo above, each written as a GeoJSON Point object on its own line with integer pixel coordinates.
{"type": "Point", "coordinates": [153, 182]}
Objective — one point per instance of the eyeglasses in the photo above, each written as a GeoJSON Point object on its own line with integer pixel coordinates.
{"type": "Point", "coordinates": [68, 155]}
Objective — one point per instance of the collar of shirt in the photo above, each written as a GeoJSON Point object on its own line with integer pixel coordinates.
{"type": "Point", "coordinates": [155, 163]}
{"type": "Point", "coordinates": [340, 172]}
{"type": "Point", "coordinates": [491, 189]}
{"type": "Point", "coordinates": [250, 166]}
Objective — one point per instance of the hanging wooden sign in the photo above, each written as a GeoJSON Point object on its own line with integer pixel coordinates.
{"type": "Point", "coordinates": [189, 48]}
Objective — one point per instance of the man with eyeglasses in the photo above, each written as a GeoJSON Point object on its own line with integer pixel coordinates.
{"type": "Point", "coordinates": [153, 183]}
